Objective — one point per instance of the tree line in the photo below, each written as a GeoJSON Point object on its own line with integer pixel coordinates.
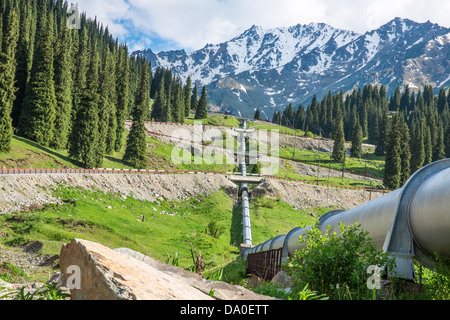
{"type": "Point", "coordinates": [409, 128]}
{"type": "Point", "coordinates": [73, 89]}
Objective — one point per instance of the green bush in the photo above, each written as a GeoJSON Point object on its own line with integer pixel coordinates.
{"type": "Point", "coordinates": [48, 292]}
{"type": "Point", "coordinates": [11, 273]}
{"type": "Point", "coordinates": [437, 283]}
{"type": "Point", "coordinates": [215, 230]}
{"type": "Point", "coordinates": [333, 265]}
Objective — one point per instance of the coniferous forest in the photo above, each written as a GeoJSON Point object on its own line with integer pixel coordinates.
{"type": "Point", "coordinates": [73, 88]}
{"type": "Point", "coordinates": [411, 129]}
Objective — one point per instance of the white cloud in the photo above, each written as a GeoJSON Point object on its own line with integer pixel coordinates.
{"type": "Point", "coordinates": [192, 24]}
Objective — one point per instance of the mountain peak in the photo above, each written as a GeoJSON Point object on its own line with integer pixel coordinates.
{"type": "Point", "coordinates": [285, 65]}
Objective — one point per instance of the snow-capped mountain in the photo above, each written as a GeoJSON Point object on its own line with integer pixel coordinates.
{"type": "Point", "coordinates": [268, 69]}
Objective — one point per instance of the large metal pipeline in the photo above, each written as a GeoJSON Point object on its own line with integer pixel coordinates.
{"type": "Point", "coordinates": [409, 223]}
{"type": "Point", "coordinates": [246, 221]}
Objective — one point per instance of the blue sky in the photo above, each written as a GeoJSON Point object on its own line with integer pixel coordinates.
{"type": "Point", "coordinates": [181, 24]}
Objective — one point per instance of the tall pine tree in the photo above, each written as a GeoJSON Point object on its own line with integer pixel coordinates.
{"type": "Point", "coordinates": [63, 90]}
{"type": "Point", "coordinates": [428, 144]}
{"type": "Point", "coordinates": [84, 141]}
{"type": "Point", "coordinates": [339, 139]}
{"type": "Point", "coordinates": [106, 102]}
{"type": "Point", "coordinates": [39, 110]}
{"type": "Point", "coordinates": [188, 96]}
{"type": "Point", "coordinates": [418, 148]}
{"type": "Point", "coordinates": [136, 150]}
{"type": "Point", "coordinates": [439, 146]}
{"type": "Point", "coordinates": [393, 162]}
{"type": "Point", "coordinates": [405, 153]}
{"type": "Point", "coordinates": [201, 112]}
{"type": "Point", "coordinates": [194, 99]}
{"type": "Point", "coordinates": [166, 111]}
{"type": "Point", "coordinates": [23, 57]}
{"type": "Point", "coordinates": [7, 72]}
{"type": "Point", "coordinates": [122, 94]}
{"type": "Point", "coordinates": [111, 69]}
{"type": "Point", "coordinates": [356, 149]}
{"type": "Point", "coordinates": [447, 141]}
{"type": "Point", "coordinates": [80, 71]}
{"type": "Point", "coordinates": [158, 105]}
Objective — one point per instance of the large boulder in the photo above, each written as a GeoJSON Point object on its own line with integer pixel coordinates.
{"type": "Point", "coordinates": [124, 274]}
{"type": "Point", "coordinates": [220, 290]}
{"type": "Point", "coordinates": [106, 274]}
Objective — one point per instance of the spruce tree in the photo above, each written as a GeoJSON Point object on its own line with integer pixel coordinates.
{"type": "Point", "coordinates": [158, 105]}
{"type": "Point", "coordinates": [447, 141]}
{"type": "Point", "coordinates": [393, 150]}
{"type": "Point", "coordinates": [201, 112]}
{"type": "Point", "coordinates": [428, 95]}
{"type": "Point", "coordinates": [373, 128]}
{"type": "Point", "coordinates": [23, 58]}
{"type": "Point", "coordinates": [84, 141]}
{"type": "Point", "coordinates": [394, 104]}
{"type": "Point", "coordinates": [405, 100]}
{"type": "Point", "coordinates": [166, 111]}
{"type": "Point", "coordinates": [188, 96]}
{"type": "Point", "coordinates": [405, 153]}
{"type": "Point", "coordinates": [110, 67]}
{"type": "Point", "coordinates": [257, 115]}
{"type": "Point", "coordinates": [194, 99]}
{"type": "Point", "coordinates": [7, 72]}
{"type": "Point", "coordinates": [123, 84]}
{"type": "Point", "coordinates": [39, 110]}
{"type": "Point", "coordinates": [339, 139]}
{"type": "Point", "coordinates": [431, 118]}
{"type": "Point", "coordinates": [364, 119]}
{"type": "Point", "coordinates": [300, 117]}
{"type": "Point", "coordinates": [428, 144]}
{"type": "Point", "coordinates": [105, 102]}
{"type": "Point", "coordinates": [136, 150]}
{"type": "Point", "coordinates": [288, 116]}
{"type": "Point", "coordinates": [417, 148]}
{"type": "Point", "coordinates": [63, 90]}
{"type": "Point", "coordinates": [177, 107]}
{"type": "Point", "coordinates": [439, 146]}
{"type": "Point", "coordinates": [356, 149]}
{"type": "Point", "coordinates": [181, 103]}
{"type": "Point", "coordinates": [380, 148]}
{"type": "Point", "coordinates": [80, 70]}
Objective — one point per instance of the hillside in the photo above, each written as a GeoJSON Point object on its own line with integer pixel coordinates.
{"type": "Point", "coordinates": [140, 210]}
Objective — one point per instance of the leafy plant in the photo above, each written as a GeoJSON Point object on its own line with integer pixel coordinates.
{"type": "Point", "coordinates": [271, 289]}
{"type": "Point", "coordinates": [277, 291]}
{"type": "Point", "coordinates": [48, 292]}
{"type": "Point", "coordinates": [328, 262]}
{"type": "Point", "coordinates": [307, 294]}
{"type": "Point", "coordinates": [173, 260]}
{"type": "Point", "coordinates": [11, 273]}
{"type": "Point", "coordinates": [215, 230]}
{"type": "Point", "coordinates": [437, 283]}
{"type": "Point", "coordinates": [217, 276]}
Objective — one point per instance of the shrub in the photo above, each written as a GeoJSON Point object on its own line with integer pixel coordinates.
{"type": "Point", "coordinates": [257, 168]}
{"type": "Point", "coordinates": [437, 285]}
{"type": "Point", "coordinates": [215, 230]}
{"type": "Point", "coordinates": [11, 273]}
{"type": "Point", "coordinates": [48, 292]}
{"type": "Point", "coordinates": [335, 265]}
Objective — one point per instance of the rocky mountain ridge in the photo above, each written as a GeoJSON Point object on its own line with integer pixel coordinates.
{"type": "Point", "coordinates": [268, 69]}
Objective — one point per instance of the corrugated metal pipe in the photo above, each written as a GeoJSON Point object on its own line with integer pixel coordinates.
{"type": "Point", "coordinates": [409, 223]}
{"type": "Point", "coordinates": [246, 221]}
